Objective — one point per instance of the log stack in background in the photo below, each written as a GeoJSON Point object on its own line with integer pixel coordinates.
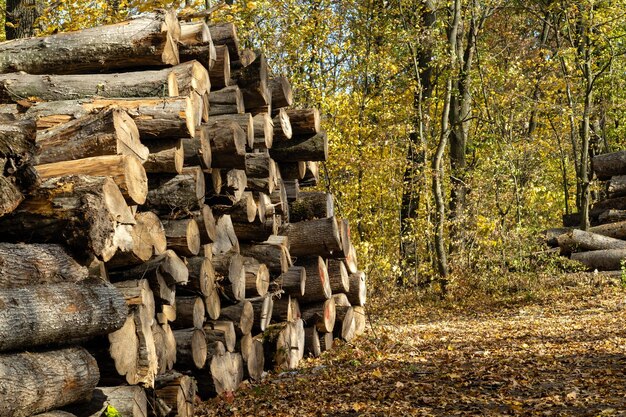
{"type": "Point", "coordinates": [603, 246]}
{"type": "Point", "coordinates": [157, 243]}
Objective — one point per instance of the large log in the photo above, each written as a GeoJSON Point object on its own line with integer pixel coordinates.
{"type": "Point", "coordinates": [129, 401]}
{"type": "Point", "coordinates": [197, 151]}
{"type": "Point", "coordinates": [127, 172]}
{"type": "Point", "coordinates": [35, 382]}
{"type": "Point", "coordinates": [610, 164]}
{"type": "Point", "coordinates": [292, 170]}
{"type": "Point", "coordinates": [222, 331]}
{"type": "Point", "coordinates": [301, 148]}
{"type": "Point", "coordinates": [183, 236]}
{"type": "Point", "coordinates": [234, 184]}
{"type": "Point", "coordinates": [345, 326]}
{"type": "Point", "coordinates": [242, 316]}
{"type": "Point", "coordinates": [360, 320]}
{"type": "Point", "coordinates": [311, 205]}
{"type": "Point", "coordinates": [314, 237]}
{"type": "Point", "coordinates": [181, 193]}
{"type": "Point", "coordinates": [338, 275]}
{"type": "Point", "coordinates": [226, 373]}
{"type": "Point", "coordinates": [282, 95]}
{"type": "Point", "coordinates": [196, 44]}
{"type": "Point", "coordinates": [579, 240]}
{"type": "Point", "coordinates": [168, 265]}
{"type": "Point", "coordinates": [275, 256]}
{"type": "Point", "coordinates": [191, 348]}
{"type": "Point", "coordinates": [189, 312]}
{"type": "Point", "coordinates": [228, 100]}
{"type": "Point", "coordinates": [263, 131]}
{"type": "Point", "coordinates": [257, 277]}
{"type": "Point", "coordinates": [37, 264]}
{"type": "Point", "coordinates": [254, 358]}
{"type": "Point", "coordinates": [108, 132]}
{"type": "Point", "coordinates": [230, 266]}
{"type": "Point", "coordinates": [191, 77]}
{"type": "Point", "coordinates": [304, 121]}
{"type": "Point", "coordinates": [220, 72]}
{"type": "Point", "coordinates": [320, 315]}
{"type": "Point", "coordinates": [257, 231]}
{"type": "Point", "coordinates": [289, 344]}
{"type": "Point", "coordinates": [146, 41]}
{"type": "Point", "coordinates": [612, 216]}
{"type": "Point", "coordinates": [602, 260]}
{"type": "Point", "coordinates": [226, 34]}
{"type": "Point", "coordinates": [228, 143]}
{"type": "Point", "coordinates": [226, 239]}
{"type": "Point", "coordinates": [263, 307]}
{"type": "Point", "coordinates": [292, 282]}
{"type": "Point", "coordinates": [615, 230]}
{"type": "Point", "coordinates": [282, 126]}
{"type": "Point", "coordinates": [252, 79]}
{"type": "Point", "coordinates": [312, 341]}
{"type": "Point", "coordinates": [317, 279]}
{"type": "Point", "coordinates": [176, 392]}
{"type": "Point", "coordinates": [59, 312]}
{"type": "Point", "coordinates": [311, 176]}
{"type": "Point", "coordinates": [358, 290]}
{"type": "Point", "coordinates": [80, 211]}
{"type": "Point", "coordinates": [166, 157]}
{"type": "Point", "coordinates": [10, 196]}
{"type": "Point", "coordinates": [245, 121]}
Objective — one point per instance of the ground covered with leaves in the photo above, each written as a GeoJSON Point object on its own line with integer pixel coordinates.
{"type": "Point", "coordinates": [560, 354]}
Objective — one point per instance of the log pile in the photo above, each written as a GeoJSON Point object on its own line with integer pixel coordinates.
{"type": "Point", "coordinates": [603, 246]}
{"type": "Point", "coordinates": [157, 240]}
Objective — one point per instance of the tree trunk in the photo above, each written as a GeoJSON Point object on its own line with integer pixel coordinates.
{"type": "Point", "coordinates": [282, 95]}
{"type": "Point", "coordinates": [579, 240]}
{"type": "Point", "coordinates": [166, 157]}
{"type": "Point", "coordinates": [189, 312]}
{"type": "Point", "coordinates": [338, 276]}
{"type": "Point", "coordinates": [183, 236]}
{"type": "Point", "coordinates": [146, 41]}
{"type": "Point", "coordinates": [292, 282]}
{"type": "Point", "coordinates": [37, 264]}
{"type": "Point", "coordinates": [228, 144]}
{"type": "Point", "coordinates": [311, 205]}
{"type": "Point", "coordinates": [301, 148]}
{"type": "Point", "coordinates": [358, 290]}
{"type": "Point", "coordinates": [614, 230]}
{"type": "Point", "coordinates": [602, 260]}
{"type": "Point", "coordinates": [21, 16]}
{"type": "Point", "coordinates": [314, 237]}
{"type": "Point", "coordinates": [35, 382]}
{"type": "Point", "coordinates": [275, 256]}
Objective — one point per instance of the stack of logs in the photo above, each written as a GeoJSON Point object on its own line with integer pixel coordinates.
{"type": "Point", "coordinates": [156, 245]}
{"type": "Point", "coordinates": [603, 246]}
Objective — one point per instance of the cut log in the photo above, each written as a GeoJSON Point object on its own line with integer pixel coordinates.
{"type": "Point", "coordinates": [37, 264]}
{"type": "Point", "coordinates": [317, 279]}
{"type": "Point", "coordinates": [341, 299]}
{"type": "Point", "coordinates": [257, 231]}
{"type": "Point", "coordinates": [177, 392]}
{"type": "Point", "coordinates": [241, 315]}
{"type": "Point", "coordinates": [166, 157]}
{"type": "Point", "coordinates": [304, 121]}
{"type": "Point", "coordinates": [612, 216]}
{"type": "Point", "coordinates": [311, 176]}
{"type": "Point", "coordinates": [312, 341]}
{"type": "Point", "coordinates": [579, 240]}
{"type": "Point", "coordinates": [263, 131]}
{"type": "Point", "coordinates": [301, 148]}
{"type": "Point", "coordinates": [226, 373]}
{"type": "Point", "coordinates": [617, 186]}
{"type": "Point", "coordinates": [206, 224]}
{"type": "Point", "coordinates": [351, 260]}
{"type": "Point", "coordinates": [220, 72]}
{"type": "Point", "coordinates": [261, 172]}
{"type": "Point", "coordinates": [189, 313]}
{"type": "Point", "coordinates": [10, 196]}
{"type": "Point", "coordinates": [59, 312]}
{"type": "Point", "coordinates": [243, 211]}
{"type": "Point", "coordinates": [197, 151]}
{"type": "Point", "coordinates": [602, 260]}
{"type": "Point", "coordinates": [183, 236]}
{"type": "Point", "coordinates": [226, 239]}
{"type": "Point", "coordinates": [360, 320]}
{"type": "Point", "coordinates": [273, 254]}
{"type": "Point", "coordinates": [108, 132]}
{"type": "Point", "coordinates": [314, 237]}
{"type": "Point", "coordinates": [245, 122]}
{"type": "Point", "coordinates": [292, 189]}
{"type": "Point", "coordinates": [263, 307]}
{"type": "Point", "coordinates": [201, 275]}
{"type": "Point", "coordinates": [233, 186]}
{"type": "Point", "coordinates": [292, 170]}
{"type": "Point", "coordinates": [226, 34]}
{"type": "Point", "coordinates": [126, 171]}
{"type": "Point", "coordinates": [358, 290]}
{"type": "Point", "coordinates": [191, 348]}
{"type": "Point", "coordinates": [326, 341]}
{"type": "Point", "coordinates": [184, 192]}
{"type": "Point", "coordinates": [145, 238]}
{"type": "Point", "coordinates": [338, 275]}
{"type": "Point", "coordinates": [344, 323]}
{"type": "Point", "coordinates": [286, 308]}
{"type": "Point", "coordinates": [196, 44]}
{"type": "Point", "coordinates": [614, 230]}
{"type": "Point", "coordinates": [254, 358]}
{"type": "Point", "coordinates": [35, 382]}
{"type": "Point", "coordinates": [252, 79]}
{"type": "Point", "coordinates": [288, 341]}
{"type": "Point", "coordinates": [168, 266]}
{"type": "Point", "coordinates": [280, 201]}
{"type": "Point", "coordinates": [292, 282]}
{"type": "Point", "coordinates": [228, 100]}
{"type": "Point", "coordinates": [129, 401]}
{"type": "Point", "coordinates": [148, 40]}
{"type": "Point", "coordinates": [282, 95]}
{"type": "Point", "coordinates": [320, 315]}
{"type": "Point", "coordinates": [257, 277]}
{"type": "Point", "coordinates": [80, 211]}
{"type": "Point", "coordinates": [610, 164]}
{"type": "Point", "coordinates": [311, 205]}
{"type": "Point", "coordinates": [230, 266]}
{"type": "Point", "coordinates": [282, 126]}
{"type": "Point", "coordinates": [222, 331]}
{"type": "Point", "coordinates": [190, 77]}
{"type": "Point", "coordinates": [228, 144]}
{"type": "Point", "coordinates": [137, 292]}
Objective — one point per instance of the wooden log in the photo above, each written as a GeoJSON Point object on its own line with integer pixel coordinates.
{"type": "Point", "coordinates": [220, 72]}
{"type": "Point", "coordinates": [282, 126]}
{"type": "Point", "coordinates": [245, 122]}
{"type": "Point", "coordinates": [320, 314]}
{"type": "Point", "coordinates": [341, 299]}
{"type": "Point", "coordinates": [168, 265]}
{"type": "Point", "coordinates": [230, 266]}
{"type": "Point", "coordinates": [177, 392]}
{"type": "Point", "coordinates": [197, 151]}
{"type": "Point", "coordinates": [312, 341]}
{"type": "Point", "coordinates": [292, 170]}
{"type": "Point", "coordinates": [126, 171]}
{"type": "Point", "coordinates": [108, 132]}
{"type": "Point", "coordinates": [617, 186]}
{"type": "Point", "coordinates": [226, 239]}
{"type": "Point", "coordinates": [191, 348]}
{"type": "Point", "coordinates": [228, 144]}
{"type": "Point", "coordinates": [280, 201]}
{"type": "Point", "coordinates": [289, 345]}
{"type": "Point", "coordinates": [145, 238]}
{"type": "Point", "coordinates": [196, 44]}
{"type": "Point", "coordinates": [579, 240]}
{"type": "Point", "coordinates": [137, 292]}
{"type": "Point", "coordinates": [282, 94]}
{"type": "Point", "coordinates": [314, 237]}
{"type": "Point", "coordinates": [10, 196]}
{"type": "Point", "coordinates": [254, 358]}
{"type": "Point", "coordinates": [183, 236]}
{"type": "Point", "coordinates": [344, 323]}
{"type": "Point", "coordinates": [338, 276]}
{"type": "Point", "coordinates": [56, 413]}
{"type": "Point", "coordinates": [189, 312]}
{"type": "Point", "coordinates": [191, 77]}
{"type": "Point", "coordinates": [311, 176]}
{"type": "Point", "coordinates": [292, 189]}
{"type": "Point", "coordinates": [257, 277]}
{"type": "Point", "coordinates": [275, 256]}
{"type": "Point", "coordinates": [226, 373]}
{"type": "Point", "coordinates": [170, 194]}
{"type": "Point", "coordinates": [257, 231]}
{"type": "Point", "coordinates": [241, 315]}
{"type": "Point", "coordinates": [242, 211]}
{"type": "Point", "coordinates": [358, 289]}
{"type": "Point", "coordinates": [615, 230]}
{"type": "Point", "coordinates": [59, 312]}
{"type": "Point", "coordinates": [37, 264]}
{"type": "Point", "coordinates": [226, 34]}
{"type": "Point", "coordinates": [260, 172]}
{"type": "Point", "coordinates": [311, 205]}
{"type": "Point", "coordinates": [326, 341]}
{"type": "Point", "coordinates": [201, 275]}
{"type": "Point", "coordinates": [80, 211]}
{"type": "Point", "coordinates": [360, 320]}
{"type": "Point", "coordinates": [351, 260]}
{"type": "Point", "coordinates": [234, 183]}
{"type": "Point", "coordinates": [223, 331]}
{"type": "Point", "coordinates": [610, 164]}
{"type": "Point", "coordinates": [292, 282]}
{"type": "Point", "coordinates": [262, 307]}
{"type": "Point", "coordinates": [36, 382]}
{"type": "Point", "coordinates": [206, 224]}
{"type": "Point", "coordinates": [317, 279]}
{"type": "Point", "coordinates": [129, 401]}
{"type": "Point", "coordinates": [286, 308]}
{"type": "Point", "coordinates": [252, 79]}
{"type": "Point", "coordinates": [346, 239]}
{"type": "Point", "coordinates": [611, 216]}
{"type": "Point", "coordinates": [145, 41]}
{"type": "Point", "coordinates": [602, 260]}
{"type": "Point", "coordinates": [263, 131]}
{"type": "Point", "coordinates": [301, 148]}
{"type": "Point", "coordinates": [228, 100]}
{"type": "Point", "coordinates": [304, 121]}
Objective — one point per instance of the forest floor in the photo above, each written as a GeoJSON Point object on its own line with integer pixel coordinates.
{"type": "Point", "coordinates": [562, 353]}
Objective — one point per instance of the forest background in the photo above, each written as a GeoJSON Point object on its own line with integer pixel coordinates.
{"type": "Point", "coordinates": [459, 130]}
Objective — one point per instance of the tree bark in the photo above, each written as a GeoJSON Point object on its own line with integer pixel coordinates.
{"type": "Point", "coordinates": [338, 276]}
{"type": "Point", "coordinates": [609, 165]}
{"type": "Point", "coordinates": [579, 240]}
{"type": "Point", "coordinates": [21, 16]}
{"type": "Point", "coordinates": [191, 348]}
{"type": "Point", "coordinates": [181, 193]}
{"type": "Point", "coordinates": [275, 256]}
{"type": "Point", "coordinates": [226, 34]}
{"type": "Point", "coordinates": [602, 260]}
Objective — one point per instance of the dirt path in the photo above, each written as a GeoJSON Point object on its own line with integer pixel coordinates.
{"type": "Point", "coordinates": [563, 358]}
